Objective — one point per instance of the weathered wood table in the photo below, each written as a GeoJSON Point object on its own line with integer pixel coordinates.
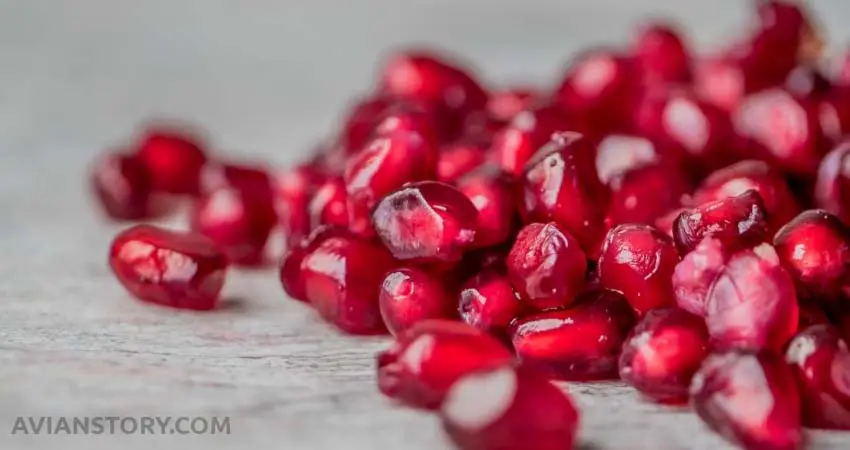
{"type": "Point", "coordinates": [267, 77]}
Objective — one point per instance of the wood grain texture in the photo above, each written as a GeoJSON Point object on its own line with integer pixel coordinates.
{"type": "Point", "coordinates": [268, 78]}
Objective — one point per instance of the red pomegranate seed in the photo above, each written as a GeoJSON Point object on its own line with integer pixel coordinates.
{"type": "Point", "coordinates": [815, 249]}
{"type": "Point", "coordinates": [459, 158]}
{"type": "Point", "coordinates": [494, 196]}
{"type": "Point", "coordinates": [238, 214]}
{"type": "Point", "coordinates": [619, 153]}
{"type": "Point", "coordinates": [580, 343]}
{"type": "Point", "coordinates": [123, 187]}
{"type": "Point", "coordinates": [291, 275]}
{"type": "Point", "coordinates": [293, 189]}
{"type": "Point", "coordinates": [752, 303]}
{"type": "Point", "coordinates": [644, 194]}
{"type": "Point", "coordinates": [342, 277]}
{"type": "Point", "coordinates": [639, 261]}
{"type": "Point", "coordinates": [385, 164]}
{"type": "Point", "coordinates": [832, 190]}
{"type": "Point", "coordinates": [410, 295]}
{"type": "Point", "coordinates": [695, 275]}
{"type": "Point", "coordinates": [752, 400]}
{"type": "Point", "coordinates": [427, 359]}
{"type": "Point", "coordinates": [663, 353]}
{"type": "Point", "coordinates": [489, 302]}
{"type": "Point", "coordinates": [170, 268]}
{"type": "Point", "coordinates": [734, 180]}
{"type": "Point", "coordinates": [821, 362]}
{"type": "Point", "coordinates": [426, 79]}
{"type": "Point", "coordinates": [738, 222]}
{"type": "Point", "coordinates": [359, 125]}
{"type": "Point", "coordinates": [503, 106]}
{"type": "Point", "coordinates": [329, 205]}
{"type": "Point", "coordinates": [547, 266]}
{"type": "Point", "coordinates": [680, 119]}
{"type": "Point", "coordinates": [723, 81]}
{"type": "Point", "coordinates": [529, 130]}
{"type": "Point", "coordinates": [509, 409]}
{"type": "Point", "coordinates": [600, 85]}
{"type": "Point", "coordinates": [412, 117]}
{"type": "Point", "coordinates": [785, 130]}
{"type": "Point", "coordinates": [661, 55]}
{"type": "Point", "coordinates": [426, 222]}
{"type": "Point", "coordinates": [174, 160]}
{"type": "Point", "coordinates": [561, 185]}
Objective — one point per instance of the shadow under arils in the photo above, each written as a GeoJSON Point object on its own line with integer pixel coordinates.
{"type": "Point", "coordinates": [233, 304]}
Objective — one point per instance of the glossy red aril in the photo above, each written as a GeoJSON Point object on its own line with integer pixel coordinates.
{"type": "Point", "coordinates": [123, 187]}
{"type": "Point", "coordinates": [489, 302]}
{"type": "Point", "coordinates": [832, 189]}
{"type": "Point", "coordinates": [426, 222]}
{"type": "Point", "coordinates": [750, 399]}
{"type": "Point", "coordinates": [503, 106]}
{"type": "Point", "coordinates": [291, 275]}
{"type": "Point", "coordinates": [752, 303]}
{"type": "Point", "coordinates": [821, 361]}
{"type": "Point", "coordinates": [293, 189]}
{"type": "Point", "coordinates": [494, 196]}
{"type": "Point", "coordinates": [238, 215]}
{"type": "Point", "coordinates": [560, 184]}
{"type": "Point", "coordinates": [529, 130]}
{"type": "Point", "coordinates": [410, 295]}
{"type": "Point", "coordinates": [426, 79]}
{"type": "Point", "coordinates": [661, 55]}
{"type": "Point", "coordinates": [639, 261]}
{"type": "Point", "coordinates": [509, 409]}
{"type": "Point", "coordinates": [174, 160]}
{"type": "Point", "coordinates": [782, 129]}
{"type": "Point", "coordinates": [547, 266]}
{"type": "Point", "coordinates": [580, 343]}
{"type": "Point", "coordinates": [178, 269]}
{"type": "Point", "coordinates": [815, 249]}
{"type": "Point", "coordinates": [738, 178]}
{"type": "Point", "coordinates": [342, 277]}
{"type": "Point", "coordinates": [601, 85]}
{"type": "Point", "coordinates": [695, 275]}
{"type": "Point", "coordinates": [384, 165]}
{"type": "Point", "coordinates": [620, 153]}
{"type": "Point", "coordinates": [723, 81]}
{"type": "Point", "coordinates": [329, 205]}
{"type": "Point", "coordinates": [427, 359]}
{"type": "Point", "coordinates": [738, 222]}
{"type": "Point", "coordinates": [459, 158]}
{"type": "Point", "coordinates": [662, 354]}
{"type": "Point", "coordinates": [645, 193]}
{"type": "Point", "coordinates": [359, 125]}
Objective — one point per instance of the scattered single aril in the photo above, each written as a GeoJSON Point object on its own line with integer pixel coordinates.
{"type": "Point", "coordinates": [173, 159]}
{"type": "Point", "coordinates": [123, 188]}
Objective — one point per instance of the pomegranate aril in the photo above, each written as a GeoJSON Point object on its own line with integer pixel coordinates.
{"type": "Point", "coordinates": [458, 159]}
{"type": "Point", "coordinates": [359, 124]}
{"type": "Point", "coordinates": [738, 178]}
{"type": "Point", "coordinates": [123, 187]}
{"type": "Point", "coordinates": [814, 248]}
{"type": "Point", "coordinates": [661, 56]}
{"type": "Point", "coordinates": [329, 205]}
{"type": "Point", "coordinates": [600, 85]}
{"type": "Point", "coordinates": [580, 343]}
{"type": "Point", "coordinates": [178, 269]}
{"type": "Point", "coordinates": [173, 158]}
{"type": "Point", "coordinates": [832, 189]}
{"type": "Point", "coordinates": [291, 275]}
{"type": "Point", "coordinates": [494, 196]}
{"type": "Point", "coordinates": [738, 222]}
{"type": "Point", "coordinates": [410, 295]}
{"type": "Point", "coordinates": [547, 266]}
{"type": "Point", "coordinates": [645, 193]}
{"type": "Point", "coordinates": [752, 303]}
{"type": "Point", "coordinates": [384, 165]}
{"type": "Point", "coordinates": [751, 399]}
{"type": "Point", "coordinates": [504, 105]}
{"type": "Point", "coordinates": [619, 153]}
{"type": "Point", "coordinates": [489, 302]}
{"type": "Point", "coordinates": [695, 275]}
{"type": "Point", "coordinates": [427, 359]}
{"type": "Point", "coordinates": [561, 185]}
{"type": "Point", "coordinates": [342, 277]}
{"type": "Point", "coordinates": [662, 354]}
{"type": "Point", "coordinates": [426, 222]}
{"type": "Point", "coordinates": [530, 129]}
{"type": "Point", "coordinates": [638, 261]}
{"type": "Point", "coordinates": [781, 129]}
{"type": "Point", "coordinates": [293, 189]}
{"type": "Point", "coordinates": [509, 408]}
{"type": "Point", "coordinates": [821, 361]}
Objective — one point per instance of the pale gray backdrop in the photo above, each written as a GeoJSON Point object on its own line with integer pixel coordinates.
{"type": "Point", "coordinates": [267, 78]}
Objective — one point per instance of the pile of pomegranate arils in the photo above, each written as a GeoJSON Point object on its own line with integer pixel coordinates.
{"type": "Point", "coordinates": [679, 223]}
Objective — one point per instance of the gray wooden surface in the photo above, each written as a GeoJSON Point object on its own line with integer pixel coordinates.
{"type": "Point", "coordinates": [267, 77]}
